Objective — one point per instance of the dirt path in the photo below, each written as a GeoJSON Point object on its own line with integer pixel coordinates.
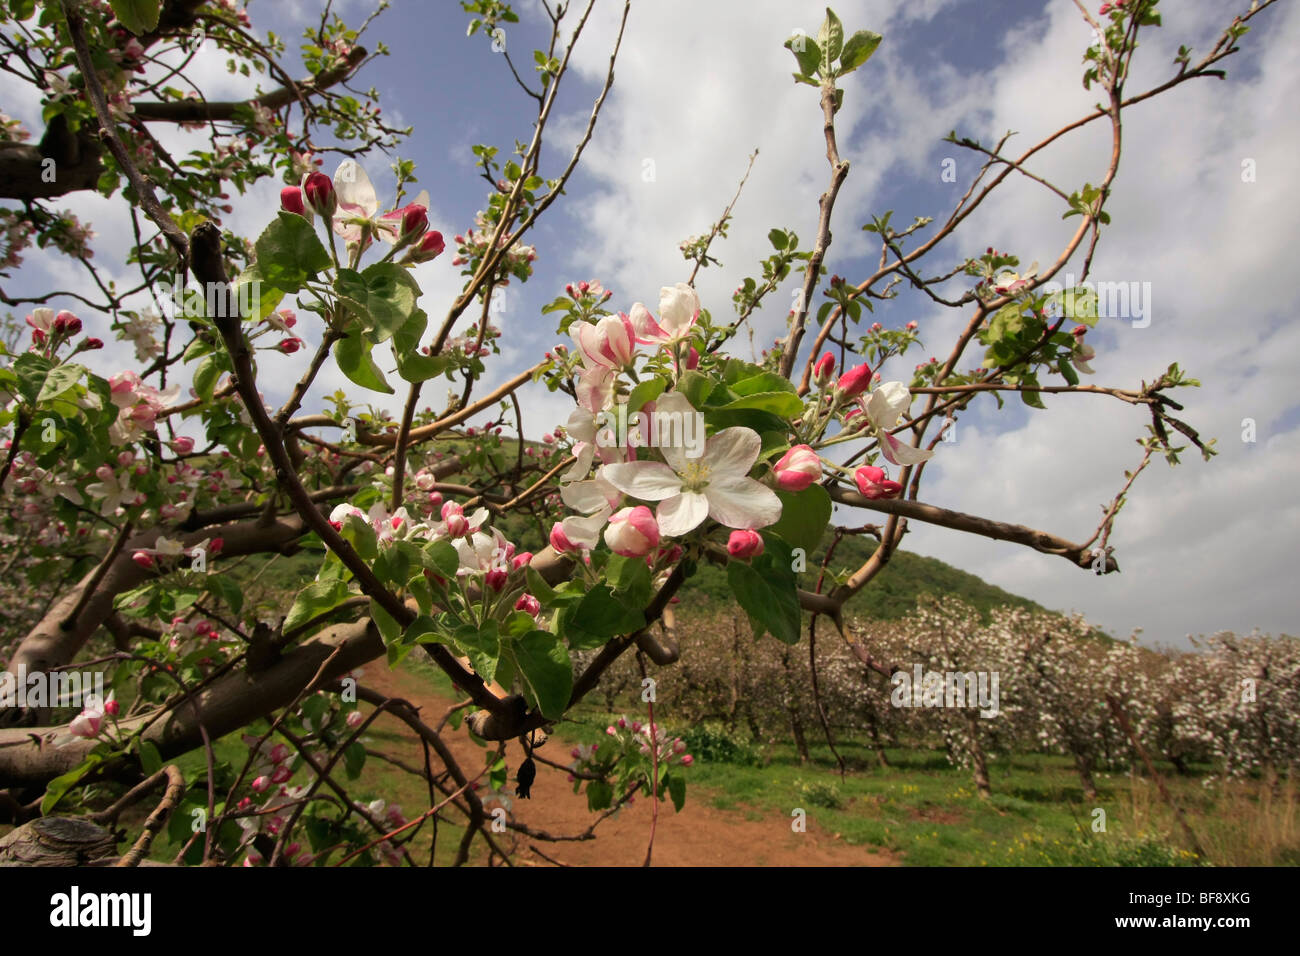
{"type": "Point", "coordinates": [698, 836]}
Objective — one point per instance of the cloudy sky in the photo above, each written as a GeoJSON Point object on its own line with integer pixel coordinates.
{"type": "Point", "coordinates": [700, 85]}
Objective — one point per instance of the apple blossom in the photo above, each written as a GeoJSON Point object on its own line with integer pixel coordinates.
{"type": "Point", "coordinates": [528, 604]}
{"type": "Point", "coordinates": [357, 203]}
{"type": "Point", "coordinates": [320, 194]}
{"type": "Point", "coordinates": [855, 381]}
{"type": "Point", "coordinates": [886, 406]}
{"type": "Point", "coordinates": [87, 723]}
{"type": "Point", "coordinates": [744, 544]}
{"type": "Point", "coordinates": [715, 485]}
{"type": "Point", "coordinates": [824, 370]}
{"type": "Point", "coordinates": [291, 200]}
{"type": "Point", "coordinates": [873, 484]}
{"type": "Point", "coordinates": [430, 246]}
{"type": "Point", "coordinates": [798, 468]}
{"type": "Point", "coordinates": [632, 532]}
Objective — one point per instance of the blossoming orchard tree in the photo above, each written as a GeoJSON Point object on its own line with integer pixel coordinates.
{"type": "Point", "coordinates": [122, 534]}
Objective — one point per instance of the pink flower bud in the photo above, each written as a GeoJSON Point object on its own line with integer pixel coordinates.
{"type": "Point", "coordinates": [687, 760]}
{"type": "Point", "coordinates": [354, 719]}
{"type": "Point", "coordinates": [86, 724]}
{"type": "Point", "coordinates": [183, 445]}
{"type": "Point", "coordinates": [318, 190]}
{"type": "Point", "coordinates": [873, 484]}
{"type": "Point", "coordinates": [528, 604]}
{"type": "Point", "coordinates": [632, 532]}
{"type": "Point", "coordinates": [798, 468]}
{"type": "Point", "coordinates": [560, 541]}
{"type": "Point", "coordinates": [521, 560]}
{"type": "Point", "coordinates": [67, 323]}
{"type": "Point", "coordinates": [216, 544]}
{"type": "Point", "coordinates": [93, 343]}
{"type": "Point", "coordinates": [143, 558]}
{"type": "Point", "coordinates": [290, 345]}
{"type": "Point", "coordinates": [280, 753]}
{"type": "Point", "coordinates": [824, 370]}
{"type": "Point", "coordinates": [745, 544]}
{"type": "Point", "coordinates": [430, 246]}
{"type": "Point", "coordinates": [281, 774]}
{"type": "Point", "coordinates": [291, 200]}
{"type": "Point", "coordinates": [261, 784]}
{"type": "Point", "coordinates": [1079, 331]}
{"type": "Point", "coordinates": [495, 579]}
{"type": "Point", "coordinates": [692, 359]}
{"type": "Point", "coordinates": [911, 326]}
{"type": "Point", "coordinates": [854, 382]}
{"type": "Point", "coordinates": [112, 708]}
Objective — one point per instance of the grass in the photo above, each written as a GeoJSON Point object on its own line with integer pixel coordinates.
{"type": "Point", "coordinates": [928, 813]}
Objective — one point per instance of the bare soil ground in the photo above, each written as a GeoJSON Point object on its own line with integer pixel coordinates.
{"type": "Point", "coordinates": [700, 835]}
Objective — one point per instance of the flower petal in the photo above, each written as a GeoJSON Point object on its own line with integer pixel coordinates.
{"type": "Point", "coordinates": [739, 502]}
{"type": "Point", "coordinates": [888, 403]}
{"type": "Point", "coordinates": [682, 514]}
{"type": "Point", "coordinates": [898, 453]}
{"type": "Point", "coordinates": [732, 451]}
{"type": "Point", "coordinates": [647, 480]}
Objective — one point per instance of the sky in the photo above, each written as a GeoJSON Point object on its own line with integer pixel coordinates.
{"type": "Point", "coordinates": [1202, 547]}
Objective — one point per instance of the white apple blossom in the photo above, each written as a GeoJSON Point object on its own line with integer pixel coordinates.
{"type": "Point", "coordinates": [715, 485]}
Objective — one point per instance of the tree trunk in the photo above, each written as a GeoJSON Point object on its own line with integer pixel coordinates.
{"type": "Point", "coordinates": [978, 763]}
{"type": "Point", "coordinates": [873, 726]}
{"type": "Point", "coordinates": [1083, 764]}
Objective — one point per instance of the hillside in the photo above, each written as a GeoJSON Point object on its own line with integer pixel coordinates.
{"type": "Point", "coordinates": [893, 594]}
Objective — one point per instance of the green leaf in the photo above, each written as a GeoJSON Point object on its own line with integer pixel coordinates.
{"type": "Point", "coordinates": [31, 370]}
{"type": "Point", "coordinates": [696, 387]}
{"type": "Point", "coordinates": [444, 557]}
{"type": "Point", "coordinates": [59, 786]}
{"type": "Point", "coordinates": [138, 16]}
{"type": "Point", "coordinates": [59, 380]}
{"type": "Point", "coordinates": [411, 365]}
{"type": "Point", "coordinates": [831, 41]}
{"type": "Point", "coordinates": [766, 590]}
{"type": "Point", "coordinates": [538, 587]}
{"type": "Point", "coordinates": [762, 382]}
{"type": "Point", "coordinates": [807, 52]}
{"type": "Point", "coordinates": [644, 392]}
{"type": "Point", "coordinates": [389, 629]}
{"type": "Point", "coordinates": [289, 252]}
{"type": "Point", "coordinates": [230, 592]}
{"type": "Point", "coordinates": [150, 759]}
{"type": "Point", "coordinates": [422, 627]}
{"type": "Point", "coordinates": [384, 294]}
{"type": "Point", "coordinates": [546, 671]}
{"type": "Point", "coordinates": [676, 790]}
{"type": "Point", "coordinates": [598, 617]}
{"type": "Point", "coordinates": [631, 580]}
{"type": "Point", "coordinates": [482, 646]}
{"type": "Point", "coordinates": [354, 759]}
{"type": "Point", "coordinates": [205, 377]}
{"type": "Point", "coordinates": [781, 404]}
{"type": "Point", "coordinates": [804, 517]}
{"type": "Point", "coordinates": [777, 238]}
{"type": "Point", "coordinates": [1068, 372]}
{"type": "Point", "coordinates": [858, 50]}
{"type": "Point", "coordinates": [600, 795]}
{"type": "Point", "coordinates": [315, 599]}
{"type": "Point", "coordinates": [353, 355]}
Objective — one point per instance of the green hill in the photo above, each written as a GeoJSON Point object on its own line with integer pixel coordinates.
{"type": "Point", "coordinates": [892, 594]}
